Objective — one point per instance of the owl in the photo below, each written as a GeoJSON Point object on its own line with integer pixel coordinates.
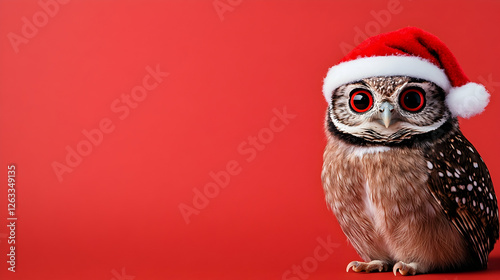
{"type": "Point", "coordinates": [409, 191]}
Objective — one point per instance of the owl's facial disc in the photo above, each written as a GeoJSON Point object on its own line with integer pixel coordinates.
{"type": "Point", "coordinates": [388, 109]}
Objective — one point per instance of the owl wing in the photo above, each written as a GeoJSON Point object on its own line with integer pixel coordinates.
{"type": "Point", "coordinates": [460, 182]}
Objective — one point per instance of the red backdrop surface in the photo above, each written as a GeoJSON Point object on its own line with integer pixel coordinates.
{"type": "Point", "coordinates": [120, 116]}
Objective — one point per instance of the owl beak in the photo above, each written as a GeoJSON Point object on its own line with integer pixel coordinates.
{"type": "Point", "coordinates": [386, 113]}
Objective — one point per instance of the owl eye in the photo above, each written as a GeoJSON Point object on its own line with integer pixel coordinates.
{"type": "Point", "coordinates": [412, 100]}
{"type": "Point", "coordinates": [361, 100]}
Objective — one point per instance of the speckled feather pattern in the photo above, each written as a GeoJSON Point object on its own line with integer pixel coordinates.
{"type": "Point", "coordinates": [461, 183]}
{"type": "Point", "coordinates": [423, 197]}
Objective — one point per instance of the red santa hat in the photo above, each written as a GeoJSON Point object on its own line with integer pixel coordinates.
{"type": "Point", "coordinates": [415, 53]}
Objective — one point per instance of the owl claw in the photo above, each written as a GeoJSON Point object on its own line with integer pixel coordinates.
{"type": "Point", "coordinates": [372, 266]}
{"type": "Point", "coordinates": [353, 264]}
{"type": "Point", "coordinates": [405, 268]}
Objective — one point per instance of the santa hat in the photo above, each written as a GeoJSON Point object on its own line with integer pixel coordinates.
{"type": "Point", "coordinates": [415, 53]}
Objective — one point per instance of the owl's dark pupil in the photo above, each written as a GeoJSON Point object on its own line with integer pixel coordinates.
{"type": "Point", "coordinates": [412, 100]}
{"type": "Point", "coordinates": [361, 101]}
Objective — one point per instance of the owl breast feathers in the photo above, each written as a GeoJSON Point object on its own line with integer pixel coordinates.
{"type": "Point", "coordinates": [409, 191]}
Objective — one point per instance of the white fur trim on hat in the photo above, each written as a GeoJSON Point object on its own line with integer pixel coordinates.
{"type": "Point", "coordinates": [375, 66]}
{"type": "Point", "coordinates": [467, 100]}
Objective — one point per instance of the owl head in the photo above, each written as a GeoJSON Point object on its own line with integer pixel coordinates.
{"type": "Point", "coordinates": [388, 109]}
{"type": "Point", "coordinates": [397, 87]}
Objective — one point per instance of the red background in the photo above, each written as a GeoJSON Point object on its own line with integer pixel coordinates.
{"type": "Point", "coordinates": [119, 208]}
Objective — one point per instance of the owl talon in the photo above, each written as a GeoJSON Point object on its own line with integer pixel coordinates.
{"type": "Point", "coordinates": [372, 266]}
{"type": "Point", "coordinates": [354, 265]}
{"type": "Point", "coordinates": [405, 268]}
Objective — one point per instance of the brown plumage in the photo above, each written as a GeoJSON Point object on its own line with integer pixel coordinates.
{"type": "Point", "coordinates": [412, 195]}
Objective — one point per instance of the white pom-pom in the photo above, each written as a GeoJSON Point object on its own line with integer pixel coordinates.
{"type": "Point", "coordinates": [467, 100]}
